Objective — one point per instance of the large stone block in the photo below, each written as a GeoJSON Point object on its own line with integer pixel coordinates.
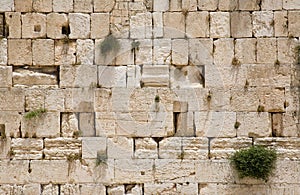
{"type": "Point", "coordinates": [63, 5]}
{"type": "Point", "coordinates": [281, 23]}
{"type": "Point", "coordinates": [92, 146]}
{"type": "Point", "coordinates": [293, 18]}
{"type": "Point", "coordinates": [158, 29]}
{"type": "Point", "coordinates": [249, 5]}
{"type": "Point", "coordinates": [155, 76]}
{"type": "Point", "coordinates": [79, 25]}
{"type": "Point", "coordinates": [271, 5]}
{"type": "Point", "coordinates": [19, 52]}
{"type": "Point", "coordinates": [57, 25]}
{"type": "Point", "coordinates": [224, 52]}
{"type": "Point", "coordinates": [201, 51]}
{"type": "Point", "coordinates": [120, 148]}
{"type": "Point", "coordinates": [155, 188]}
{"type": "Point", "coordinates": [266, 50]}
{"type": "Point", "coordinates": [197, 24]}
{"type": "Point", "coordinates": [12, 100]}
{"type": "Point", "coordinates": [219, 24]}
{"type": "Point", "coordinates": [144, 54]}
{"type": "Point", "coordinates": [291, 4]}
{"type": "Point", "coordinates": [13, 24]}
{"type": "Point", "coordinates": [42, 6]}
{"type": "Point", "coordinates": [23, 5]}
{"type": "Point", "coordinates": [85, 52]}
{"type": "Point", "coordinates": [103, 5]}
{"type": "Point", "coordinates": [228, 5]}
{"type": "Point", "coordinates": [112, 76]}
{"type": "Point", "coordinates": [245, 50]}
{"type": "Point", "coordinates": [263, 23]}
{"type": "Point", "coordinates": [241, 24]}
{"type": "Point", "coordinates": [208, 5]}
{"type": "Point", "coordinates": [87, 124]}
{"type": "Point", "coordinates": [11, 122]}
{"type": "Point", "coordinates": [180, 52]}
{"type": "Point", "coordinates": [5, 76]}
{"type": "Point", "coordinates": [170, 148]}
{"type": "Point", "coordinates": [97, 20]}
{"type": "Point", "coordinates": [105, 124]}
{"type": "Point", "coordinates": [84, 6]}
{"type": "Point", "coordinates": [160, 5]}
{"type": "Point", "coordinates": [289, 125]}
{"type": "Point", "coordinates": [194, 148]}
{"type": "Point", "coordinates": [15, 171]}
{"type": "Point", "coordinates": [34, 25]}
{"type": "Point", "coordinates": [64, 52]}
{"type": "Point", "coordinates": [7, 5]}
{"type": "Point", "coordinates": [79, 100]}
{"type": "Point", "coordinates": [141, 26]}
{"type": "Point", "coordinates": [161, 51]}
{"type": "Point", "coordinates": [125, 55]}
{"type": "Point", "coordinates": [62, 148]}
{"type": "Point", "coordinates": [174, 25]}
{"type": "Point", "coordinates": [133, 76]}
{"type": "Point", "coordinates": [145, 148]}
{"type": "Point", "coordinates": [43, 52]}
{"type": "Point", "coordinates": [3, 52]}
{"type": "Point", "coordinates": [27, 149]}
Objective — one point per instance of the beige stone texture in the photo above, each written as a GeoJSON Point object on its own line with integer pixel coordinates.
{"type": "Point", "coordinates": [158, 29]}
{"type": "Point", "coordinates": [54, 100]}
{"type": "Point", "coordinates": [143, 55]}
{"type": "Point", "coordinates": [87, 124]}
{"type": "Point", "coordinates": [249, 5]}
{"type": "Point", "coordinates": [55, 23]}
{"type": "Point", "coordinates": [76, 76]}
{"type": "Point", "coordinates": [116, 190]}
{"type": "Point", "coordinates": [93, 189]}
{"type": "Point", "coordinates": [210, 5]}
{"type": "Point", "coordinates": [23, 5]}
{"type": "Point", "coordinates": [13, 24]}
{"type": "Point", "coordinates": [133, 76]}
{"type": "Point", "coordinates": [170, 148]}
{"type": "Point", "coordinates": [85, 51]}
{"type": "Point", "coordinates": [79, 100]}
{"type": "Point", "coordinates": [160, 5]}
{"type": "Point", "coordinates": [12, 100]}
{"type": "Point", "coordinates": [69, 124]}
{"type": "Point", "coordinates": [289, 125]}
{"type": "Point", "coordinates": [43, 52]}
{"type": "Point", "coordinates": [219, 24]}
{"type": "Point", "coordinates": [241, 24]}
{"type": "Point", "coordinates": [224, 52]}
{"type": "Point", "coordinates": [84, 6]}
{"type": "Point", "coordinates": [271, 5]}
{"type": "Point", "coordinates": [197, 24]}
{"type": "Point", "coordinates": [293, 19]}
{"type": "Point", "coordinates": [124, 56]}
{"type": "Point", "coordinates": [42, 6]}
{"type": "Point", "coordinates": [194, 148]}
{"type": "Point", "coordinates": [11, 121]}
{"type": "Point", "coordinates": [174, 25]}
{"type": "Point", "coordinates": [247, 101]}
{"type": "Point", "coordinates": [103, 100]}
{"type": "Point", "coordinates": [228, 5]}
{"type": "Point", "coordinates": [141, 26]}
{"type": "Point", "coordinates": [145, 148]}
{"type": "Point", "coordinates": [291, 4]}
{"type": "Point", "coordinates": [5, 76]}
{"type": "Point", "coordinates": [19, 52]}
{"type": "Point", "coordinates": [62, 148]}
{"type": "Point", "coordinates": [119, 148]}
{"type": "Point", "coordinates": [112, 76]}
{"type": "Point", "coordinates": [50, 189]}
{"type": "Point", "coordinates": [27, 149]}
{"type": "Point", "coordinates": [162, 51]}
{"type": "Point", "coordinates": [34, 25]}
{"type": "Point", "coordinates": [79, 25]}
{"type": "Point", "coordinates": [134, 170]}
{"type": "Point", "coordinates": [99, 25]}
{"type": "Point", "coordinates": [201, 51]}
{"type": "Point", "coordinates": [103, 5]}
{"type": "Point", "coordinates": [155, 76]}
{"type": "Point", "coordinates": [44, 125]}
{"type": "Point", "coordinates": [155, 188]}
{"type": "Point", "coordinates": [7, 5]}
{"type": "Point", "coordinates": [281, 23]}
{"type": "Point", "coordinates": [62, 5]}
{"type": "Point", "coordinates": [263, 23]}
{"type": "Point", "coordinates": [17, 170]}
{"type": "Point", "coordinates": [105, 124]}
{"type": "Point", "coordinates": [64, 52]}
{"type": "Point", "coordinates": [5, 145]}
{"type": "Point", "coordinates": [91, 146]}
{"type": "Point", "coordinates": [266, 50]}
{"type": "Point", "coordinates": [180, 52]}
{"type": "Point", "coordinates": [34, 99]}
{"type": "Point", "coordinates": [215, 124]}
{"type": "Point", "coordinates": [245, 50]}
{"type": "Point", "coordinates": [3, 52]}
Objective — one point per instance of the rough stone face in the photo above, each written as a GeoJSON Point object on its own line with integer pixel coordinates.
{"type": "Point", "coordinates": [197, 24]}
{"type": "Point", "coordinates": [263, 24]}
{"type": "Point", "coordinates": [26, 149]}
{"type": "Point", "coordinates": [248, 5]}
{"type": "Point", "coordinates": [271, 5]}
{"type": "Point", "coordinates": [23, 5]}
{"type": "Point", "coordinates": [13, 22]}
{"type": "Point", "coordinates": [241, 24]}
{"type": "Point", "coordinates": [245, 50]}
{"type": "Point", "coordinates": [55, 24]}
{"type": "Point", "coordinates": [224, 52]}
{"type": "Point", "coordinates": [64, 52]}
{"type": "Point", "coordinates": [161, 51]}
{"type": "Point", "coordinates": [62, 148]}
{"type": "Point", "coordinates": [141, 26]}
{"type": "Point", "coordinates": [160, 5]}
{"type": "Point", "coordinates": [17, 169]}
{"type": "Point", "coordinates": [6, 5]}
{"type": "Point", "coordinates": [291, 4]}
{"type": "Point", "coordinates": [43, 52]}
{"type": "Point", "coordinates": [228, 5]}
{"type": "Point", "coordinates": [34, 25]}
{"type": "Point", "coordinates": [62, 5]}
{"type": "Point", "coordinates": [180, 51]}
{"type": "Point", "coordinates": [12, 100]}
{"type": "Point", "coordinates": [91, 146]}
{"type": "Point", "coordinates": [219, 24]}
{"type": "Point", "coordinates": [42, 5]}
{"type": "Point", "coordinates": [103, 5]}
{"type": "Point", "coordinates": [145, 148]}
{"type": "Point", "coordinates": [208, 5]}
{"type": "Point", "coordinates": [266, 50]}
{"type": "Point", "coordinates": [30, 77]}
{"type": "Point", "coordinates": [119, 148]}
{"type": "Point", "coordinates": [22, 47]}
{"type": "Point", "coordinates": [79, 25]}
{"type": "Point", "coordinates": [83, 6]}
{"type": "Point", "coordinates": [174, 25]}
{"type": "Point", "coordinates": [201, 51]}
{"type": "Point", "coordinates": [5, 76]}
{"type": "Point", "coordinates": [155, 76]}
{"type": "Point", "coordinates": [281, 23]}
{"type": "Point", "coordinates": [97, 20]}
{"type": "Point", "coordinates": [293, 18]}
{"type": "Point", "coordinates": [158, 30]}
{"type": "Point", "coordinates": [110, 76]}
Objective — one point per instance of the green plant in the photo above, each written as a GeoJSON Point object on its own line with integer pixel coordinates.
{"type": "Point", "coordinates": [135, 45]}
{"type": "Point", "coordinates": [109, 44]}
{"type": "Point", "coordinates": [256, 162]}
{"type": "Point", "coordinates": [35, 113]}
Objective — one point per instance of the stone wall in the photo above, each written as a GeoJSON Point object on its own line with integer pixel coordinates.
{"type": "Point", "coordinates": [147, 96]}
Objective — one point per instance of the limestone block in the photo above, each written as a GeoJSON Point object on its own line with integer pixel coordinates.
{"type": "Point", "coordinates": [12, 100]}
{"type": "Point", "coordinates": [84, 6]}
{"type": "Point", "coordinates": [79, 100]}
{"type": "Point", "coordinates": [93, 189]}
{"type": "Point", "coordinates": [160, 5]}
{"type": "Point", "coordinates": [85, 51]}
{"type": "Point", "coordinates": [190, 188]}
{"type": "Point", "coordinates": [289, 124]}
{"type": "Point", "coordinates": [245, 50]}
{"type": "Point", "coordinates": [223, 148]}
{"type": "Point", "coordinates": [263, 23]}
{"type": "Point", "coordinates": [7, 5]}
{"type": "Point", "coordinates": [45, 125]}
{"type": "Point", "coordinates": [145, 148]}
{"type": "Point", "coordinates": [19, 52]}
{"type": "Point", "coordinates": [63, 6]}
{"type": "Point", "coordinates": [219, 24]}
{"type": "Point", "coordinates": [170, 148]}
{"type": "Point", "coordinates": [180, 51]}
{"type": "Point", "coordinates": [190, 5]}
{"type": "Point", "coordinates": [116, 190]}
{"type": "Point", "coordinates": [201, 51]}
{"type": "Point", "coordinates": [34, 99]}
{"type": "Point", "coordinates": [79, 25]}
{"type": "Point", "coordinates": [133, 76]}
{"type": "Point", "coordinates": [124, 55]}
{"type": "Point", "coordinates": [15, 171]}
{"type": "Point", "coordinates": [249, 5]}
{"type": "Point", "coordinates": [281, 23]}
{"type": "Point", "coordinates": [197, 24]}
{"type": "Point", "coordinates": [289, 167]}
{"type": "Point", "coordinates": [266, 50]}
{"type": "Point", "coordinates": [61, 148]}
{"type": "Point", "coordinates": [155, 188]}
{"type": "Point", "coordinates": [103, 100]}
{"type": "Point", "coordinates": [3, 52]}
{"type": "Point", "coordinates": [141, 26]}
{"type": "Point", "coordinates": [271, 5]}
{"type": "Point", "coordinates": [158, 30]}
{"type": "Point", "coordinates": [56, 23]}
{"type": "Point", "coordinates": [78, 76]}
{"type": "Point", "coordinates": [137, 6]}
{"type": "Point", "coordinates": [34, 25]}
{"type": "Point", "coordinates": [87, 124]}
{"type": "Point", "coordinates": [103, 5]}
{"type": "Point", "coordinates": [69, 124]}
{"type": "Point", "coordinates": [99, 25]}
{"type": "Point", "coordinates": [241, 189]}
{"type": "Point", "coordinates": [105, 124]}
{"type": "Point", "coordinates": [42, 6]}
{"type": "Point", "coordinates": [155, 76]}
{"type": "Point", "coordinates": [134, 170]}
{"type": "Point", "coordinates": [93, 145]}
{"type": "Point", "coordinates": [13, 24]}
{"type": "Point", "coordinates": [228, 5]}
{"type": "Point", "coordinates": [64, 52]}
{"type": "Point", "coordinates": [5, 144]}
{"type": "Point", "coordinates": [12, 122]}
{"type": "Point", "coordinates": [174, 25]}
{"type": "Point", "coordinates": [143, 55]}
{"type": "Point", "coordinates": [291, 4]}
{"type": "Point", "coordinates": [244, 100]}
{"type": "Point", "coordinates": [32, 189]}
{"type": "Point", "coordinates": [23, 5]}
{"type": "Point", "coordinates": [241, 24]}
{"type": "Point", "coordinates": [169, 170]}
{"type": "Point", "coordinates": [27, 148]}
{"type": "Point", "coordinates": [40, 171]}
{"type": "Point", "coordinates": [43, 52]}
{"type": "Point", "coordinates": [194, 148]}
{"type": "Point", "coordinates": [107, 58]}
{"type": "Point", "coordinates": [254, 124]}
{"type": "Point", "coordinates": [161, 51]}
{"type": "Point", "coordinates": [207, 5]}
{"type": "Point", "coordinates": [5, 76]}
{"type": "Point", "coordinates": [69, 189]}
{"type": "Point", "coordinates": [272, 99]}
{"type": "Point", "coordinates": [294, 17]}
{"type": "Point", "coordinates": [215, 124]}
{"type": "Point", "coordinates": [50, 189]}
{"type": "Point", "coordinates": [224, 52]}
{"type": "Point", "coordinates": [110, 76]}
{"type": "Point", "coordinates": [119, 148]}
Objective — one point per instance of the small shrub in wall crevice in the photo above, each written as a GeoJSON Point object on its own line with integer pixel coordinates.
{"type": "Point", "coordinates": [256, 162]}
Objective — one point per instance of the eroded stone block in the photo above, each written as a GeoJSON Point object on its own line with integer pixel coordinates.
{"type": "Point", "coordinates": [22, 47]}
{"type": "Point", "coordinates": [180, 52]}
{"type": "Point", "coordinates": [174, 25]}
{"type": "Point", "coordinates": [84, 6]}
{"type": "Point", "coordinates": [34, 25]}
{"type": "Point", "coordinates": [80, 26]}
{"type": "Point", "coordinates": [219, 24]}
{"type": "Point", "coordinates": [13, 24]}
{"type": "Point", "coordinates": [293, 19]}
{"type": "Point", "coordinates": [43, 52]}
{"type": "Point", "coordinates": [5, 76]}
{"type": "Point", "coordinates": [42, 5]}
{"type": "Point", "coordinates": [27, 149]}
{"type": "Point", "coordinates": [23, 5]}
{"type": "Point", "coordinates": [245, 50]}
{"type": "Point", "coordinates": [7, 5]}
{"type": "Point", "coordinates": [91, 146]}
{"type": "Point", "coordinates": [155, 76]}
{"type": "Point", "coordinates": [62, 5]}
{"type": "Point", "coordinates": [208, 5]}
{"type": "Point", "coordinates": [266, 50]}
{"type": "Point", "coordinates": [197, 24]}
{"type": "Point", "coordinates": [57, 26]}
{"type": "Point", "coordinates": [120, 148]}
{"type": "Point", "coordinates": [249, 5]}
{"type": "Point", "coordinates": [281, 23]}
{"type": "Point", "coordinates": [62, 148]}
{"type": "Point", "coordinates": [103, 5]}
{"type": "Point", "coordinates": [99, 25]}
{"type": "Point", "coordinates": [111, 76]}
{"type": "Point", "coordinates": [241, 24]}
{"type": "Point", "coordinates": [263, 24]}
{"type": "Point", "coordinates": [145, 148]}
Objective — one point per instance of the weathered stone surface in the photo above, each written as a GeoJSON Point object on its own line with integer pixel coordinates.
{"type": "Point", "coordinates": [55, 24]}
{"type": "Point", "coordinates": [208, 5]}
{"type": "Point", "coordinates": [155, 188]}
{"type": "Point", "coordinates": [22, 47]}
{"type": "Point", "coordinates": [293, 18]}
{"type": "Point", "coordinates": [160, 5]}
{"type": "Point", "coordinates": [161, 51]}
{"type": "Point", "coordinates": [30, 77]}
{"type": "Point", "coordinates": [263, 24]}
{"type": "Point", "coordinates": [64, 52]}
{"type": "Point", "coordinates": [87, 124]}
{"type": "Point", "coordinates": [249, 5]}
{"type": "Point", "coordinates": [289, 125]}
{"type": "Point", "coordinates": [13, 24]}
{"type": "Point", "coordinates": [97, 20]}
{"type": "Point", "coordinates": [180, 52]}
{"type": "Point", "coordinates": [93, 189]}
{"type": "Point", "coordinates": [62, 5]}
{"type": "Point", "coordinates": [174, 25]}
{"type": "Point", "coordinates": [62, 148]}
{"type": "Point", "coordinates": [197, 24]}
{"type": "Point", "coordinates": [133, 76]}
{"type": "Point", "coordinates": [34, 25]}
{"type": "Point", "coordinates": [134, 170]}
{"type": "Point", "coordinates": [91, 146]}
{"type": "Point", "coordinates": [17, 170]}
{"type": "Point", "coordinates": [43, 52]}
{"type": "Point", "coordinates": [7, 5]}
{"type": "Point", "coordinates": [42, 5]}
{"type": "Point", "coordinates": [79, 100]}
{"type": "Point", "coordinates": [291, 4]}
{"type": "Point", "coordinates": [23, 5]}
{"type": "Point", "coordinates": [124, 56]}
{"type": "Point", "coordinates": [117, 190]}
{"type": "Point", "coordinates": [170, 148]}
{"type": "Point", "coordinates": [201, 51]}
{"type": "Point", "coordinates": [85, 6]}
{"type": "Point", "coordinates": [155, 76]}
{"type": "Point", "coordinates": [158, 29]}
{"type": "Point", "coordinates": [11, 122]}
{"type": "Point", "coordinates": [69, 124]}
{"type": "Point", "coordinates": [228, 5]}
{"type": "Point", "coordinates": [143, 55]}
{"type": "Point", "coordinates": [141, 26]}
{"type": "Point", "coordinates": [79, 25]}
{"type": "Point", "coordinates": [119, 148]}
{"type": "Point", "coordinates": [5, 76]}
{"type": "Point", "coordinates": [241, 24]}
{"type": "Point", "coordinates": [266, 50]}
{"type": "Point", "coordinates": [112, 76]}
{"type": "Point", "coordinates": [85, 51]}
{"type": "Point", "coordinates": [224, 52]}
{"type": "Point", "coordinates": [103, 5]}
{"type": "Point", "coordinates": [34, 99]}
{"type": "Point", "coordinates": [194, 148]}
{"type": "Point", "coordinates": [27, 149]}
{"type": "Point", "coordinates": [245, 50]}
{"type": "Point", "coordinates": [271, 5]}
{"type": "Point", "coordinates": [281, 23]}
{"type": "Point", "coordinates": [219, 24]}
{"type": "Point", "coordinates": [12, 100]}
{"type": "Point", "coordinates": [145, 148]}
